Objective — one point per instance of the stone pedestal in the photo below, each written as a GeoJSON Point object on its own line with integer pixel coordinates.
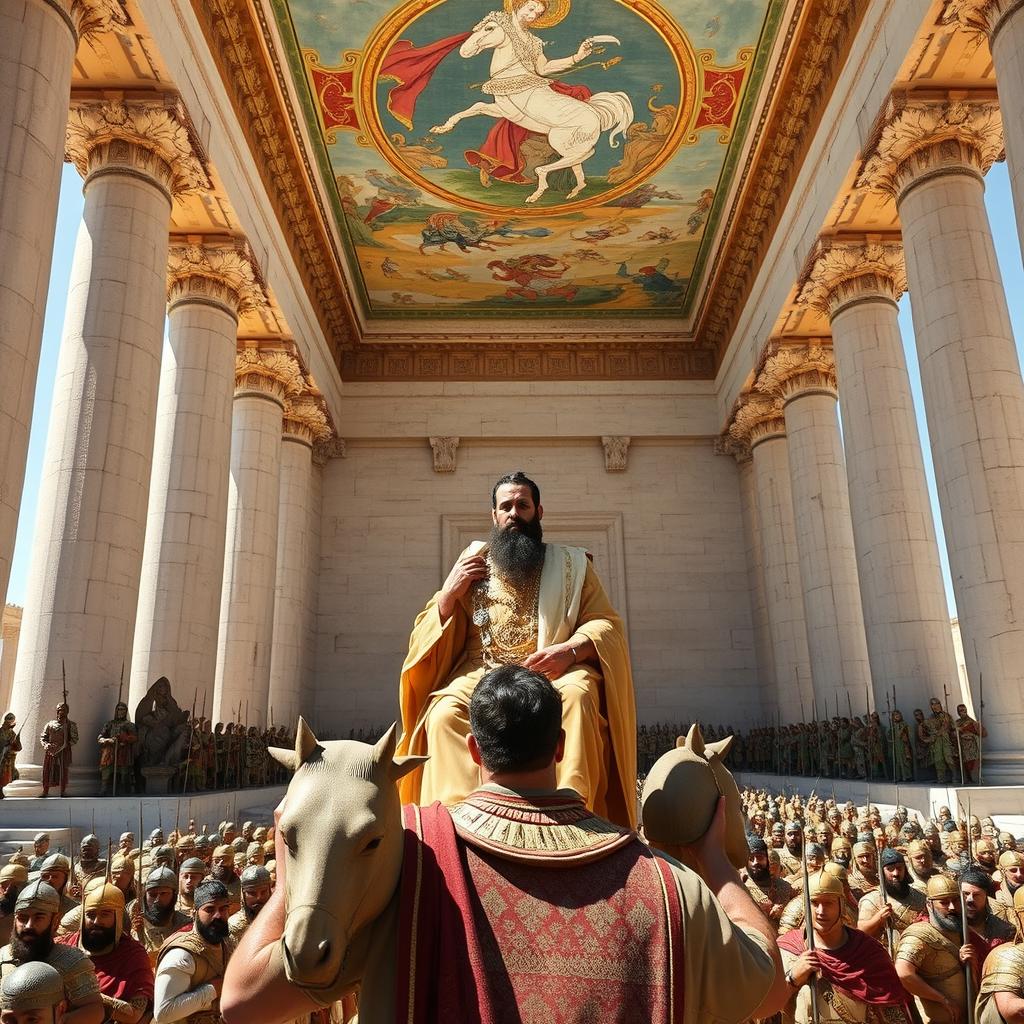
{"type": "Point", "coordinates": [295, 592]}
{"type": "Point", "coordinates": [760, 423]}
{"type": "Point", "coordinates": [804, 379]}
{"type": "Point", "coordinates": [158, 780]}
{"type": "Point", "coordinates": [179, 599]}
{"type": "Point", "coordinates": [906, 617]}
{"type": "Point", "coordinates": [931, 157]}
{"type": "Point", "coordinates": [87, 553]}
{"type": "Point", "coordinates": [263, 380]}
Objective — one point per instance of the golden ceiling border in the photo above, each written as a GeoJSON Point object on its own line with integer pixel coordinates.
{"type": "Point", "coordinates": [781, 139]}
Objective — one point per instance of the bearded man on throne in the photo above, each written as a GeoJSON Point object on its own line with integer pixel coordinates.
{"type": "Point", "coordinates": [515, 599]}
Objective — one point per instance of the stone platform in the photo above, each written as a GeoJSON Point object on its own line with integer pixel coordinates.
{"type": "Point", "coordinates": [22, 817]}
{"type": "Point", "coordinates": [1005, 804]}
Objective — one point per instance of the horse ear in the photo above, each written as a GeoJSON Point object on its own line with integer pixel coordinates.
{"type": "Point", "coordinates": [384, 748]}
{"type": "Point", "coordinates": [285, 757]}
{"type": "Point", "coordinates": [401, 766]}
{"type": "Point", "coordinates": [720, 747]}
{"type": "Point", "coordinates": [305, 742]}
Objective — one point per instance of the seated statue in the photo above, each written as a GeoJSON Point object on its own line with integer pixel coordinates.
{"type": "Point", "coordinates": [517, 600]}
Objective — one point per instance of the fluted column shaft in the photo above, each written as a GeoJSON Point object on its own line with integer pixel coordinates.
{"type": "Point", "coordinates": [906, 617]}
{"type": "Point", "coordinates": [767, 682]}
{"type": "Point", "coordinates": [87, 552]}
{"type": "Point", "coordinates": [179, 600]}
{"type": "Point", "coordinates": [783, 595]}
{"type": "Point", "coordinates": [974, 400]}
{"type": "Point", "coordinates": [250, 564]}
{"type": "Point", "coordinates": [836, 641]}
{"type": "Point", "coordinates": [37, 49]}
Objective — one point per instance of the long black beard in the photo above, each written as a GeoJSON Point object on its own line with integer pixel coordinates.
{"type": "Point", "coordinates": [251, 912]}
{"type": "Point", "coordinates": [37, 948]}
{"type": "Point", "coordinates": [759, 874]}
{"type": "Point", "coordinates": [7, 903]}
{"type": "Point", "coordinates": [517, 552]}
{"type": "Point", "coordinates": [950, 924]}
{"type": "Point", "coordinates": [898, 889]}
{"type": "Point", "coordinates": [158, 915]}
{"type": "Point", "coordinates": [224, 874]}
{"type": "Point", "coordinates": [95, 940]}
{"type": "Point", "coordinates": [214, 932]}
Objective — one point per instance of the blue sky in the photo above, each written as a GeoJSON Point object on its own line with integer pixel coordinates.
{"type": "Point", "coordinates": [1000, 209]}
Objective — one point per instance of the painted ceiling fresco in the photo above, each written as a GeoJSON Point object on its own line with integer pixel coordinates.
{"type": "Point", "coordinates": [496, 158]}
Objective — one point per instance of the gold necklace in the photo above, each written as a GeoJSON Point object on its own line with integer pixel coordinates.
{"type": "Point", "coordinates": [515, 637]}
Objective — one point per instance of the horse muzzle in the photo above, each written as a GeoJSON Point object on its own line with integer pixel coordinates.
{"type": "Point", "coordinates": [313, 947]}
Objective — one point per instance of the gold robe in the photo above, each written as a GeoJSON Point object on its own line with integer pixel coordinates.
{"type": "Point", "coordinates": [445, 662]}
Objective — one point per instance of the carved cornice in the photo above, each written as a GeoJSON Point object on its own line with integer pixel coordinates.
{"type": "Point", "coordinates": [987, 16]}
{"type": "Point", "coordinates": [916, 139]}
{"type": "Point", "coordinates": [798, 370]}
{"type": "Point", "coordinates": [305, 417]}
{"type": "Point", "coordinates": [757, 418]}
{"type": "Point", "coordinates": [841, 272]}
{"type": "Point", "coordinates": [222, 273]}
{"type": "Point", "coordinates": [772, 166]}
{"type": "Point", "coordinates": [444, 449]}
{"type": "Point", "coordinates": [235, 42]}
{"type": "Point", "coordinates": [151, 137]}
{"type": "Point", "coordinates": [616, 452]}
{"type": "Point", "coordinates": [269, 371]}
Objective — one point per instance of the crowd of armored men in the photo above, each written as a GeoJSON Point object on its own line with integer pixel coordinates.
{"type": "Point", "coordinates": [143, 933]}
{"type": "Point", "coordinates": [933, 747]}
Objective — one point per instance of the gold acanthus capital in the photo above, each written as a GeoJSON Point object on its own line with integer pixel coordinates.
{"type": "Point", "coordinates": [305, 417]}
{"type": "Point", "coordinates": [798, 370]}
{"type": "Point", "coordinates": [222, 273]}
{"type": "Point", "coordinates": [920, 138]}
{"type": "Point", "coordinates": [840, 272]}
{"type": "Point", "coordinates": [92, 17]}
{"type": "Point", "coordinates": [757, 418]}
{"type": "Point", "coordinates": [149, 137]}
{"type": "Point", "coordinates": [268, 370]}
{"type": "Point", "coordinates": [987, 16]}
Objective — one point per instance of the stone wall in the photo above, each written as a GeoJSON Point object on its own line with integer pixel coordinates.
{"type": "Point", "coordinates": [666, 534]}
{"type": "Point", "coordinates": [10, 631]}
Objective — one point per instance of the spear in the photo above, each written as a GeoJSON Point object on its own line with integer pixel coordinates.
{"type": "Point", "coordinates": [959, 748]}
{"type": "Point", "coordinates": [981, 712]}
{"type": "Point", "coordinates": [191, 733]}
{"type": "Point", "coordinates": [965, 929]}
{"type": "Point", "coordinates": [809, 928]}
{"type": "Point", "coordinates": [140, 894]}
{"type": "Point", "coordinates": [120, 687]}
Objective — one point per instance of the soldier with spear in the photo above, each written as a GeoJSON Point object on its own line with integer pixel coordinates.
{"type": "Point", "coordinates": [117, 740]}
{"type": "Point", "coordinates": [59, 735]}
{"type": "Point", "coordinates": [10, 746]}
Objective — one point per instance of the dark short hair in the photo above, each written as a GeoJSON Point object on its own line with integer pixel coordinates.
{"type": "Point", "coordinates": [972, 876]}
{"type": "Point", "coordinates": [520, 479]}
{"type": "Point", "coordinates": [516, 717]}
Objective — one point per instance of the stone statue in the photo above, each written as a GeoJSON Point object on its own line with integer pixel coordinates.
{"type": "Point", "coordinates": [59, 735]}
{"type": "Point", "coordinates": [117, 742]}
{"type": "Point", "coordinates": [10, 745]}
{"type": "Point", "coordinates": [163, 728]}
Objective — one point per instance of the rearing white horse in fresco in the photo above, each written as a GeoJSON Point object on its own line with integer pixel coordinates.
{"type": "Point", "coordinates": [525, 97]}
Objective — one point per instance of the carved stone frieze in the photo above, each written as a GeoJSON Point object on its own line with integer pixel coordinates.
{"type": "Point", "coordinates": [986, 16]}
{"type": "Point", "coordinates": [150, 137]}
{"type": "Point", "coordinates": [444, 449]}
{"type": "Point", "coordinates": [757, 418]}
{"type": "Point", "coordinates": [268, 370]}
{"type": "Point", "coordinates": [224, 273]}
{"type": "Point", "coordinates": [798, 370]}
{"type": "Point", "coordinates": [329, 448]}
{"type": "Point", "coordinates": [616, 452]}
{"type": "Point", "coordinates": [840, 272]}
{"type": "Point", "coordinates": [916, 138]}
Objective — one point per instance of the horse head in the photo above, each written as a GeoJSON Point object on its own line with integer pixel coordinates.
{"type": "Point", "coordinates": [342, 830]}
{"type": "Point", "coordinates": [487, 34]}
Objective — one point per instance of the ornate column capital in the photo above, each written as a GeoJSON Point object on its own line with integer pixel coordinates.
{"type": "Point", "coordinates": [219, 273]}
{"type": "Point", "coordinates": [840, 273]}
{"type": "Point", "coordinates": [986, 16]}
{"type": "Point", "coordinates": [726, 444]}
{"type": "Point", "coordinates": [305, 418]}
{"type": "Point", "coordinates": [332, 447]}
{"type": "Point", "coordinates": [616, 452]}
{"type": "Point", "coordinates": [758, 418]}
{"type": "Point", "coordinates": [90, 17]}
{"type": "Point", "coordinates": [267, 370]}
{"type": "Point", "coordinates": [151, 138]}
{"type": "Point", "coordinates": [798, 370]}
{"type": "Point", "coordinates": [918, 139]}
{"type": "Point", "coordinates": [444, 449]}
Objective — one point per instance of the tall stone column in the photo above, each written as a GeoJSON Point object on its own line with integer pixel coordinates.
{"type": "Point", "coordinates": [38, 39]}
{"type": "Point", "coordinates": [760, 424]}
{"type": "Point", "coordinates": [182, 573]}
{"type": "Point", "coordinates": [265, 376]}
{"type": "Point", "coordinates": [305, 423]}
{"type": "Point", "coordinates": [87, 552]}
{"type": "Point", "coordinates": [857, 284]}
{"type": "Point", "coordinates": [804, 379]}
{"type": "Point", "coordinates": [931, 157]}
{"type": "Point", "coordinates": [1003, 22]}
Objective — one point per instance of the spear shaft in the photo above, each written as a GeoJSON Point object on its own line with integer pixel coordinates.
{"type": "Point", "coordinates": [191, 733]}
{"type": "Point", "coordinates": [809, 931]}
{"type": "Point", "coordinates": [959, 748]}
